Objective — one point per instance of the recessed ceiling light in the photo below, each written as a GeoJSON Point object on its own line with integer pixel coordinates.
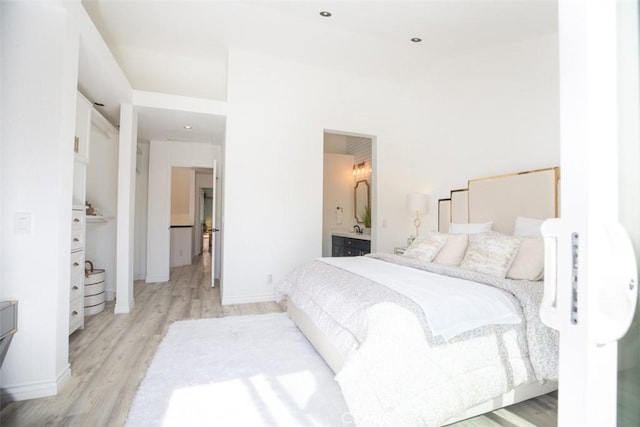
{"type": "Point", "coordinates": [416, 40]}
{"type": "Point", "coordinates": [325, 14]}
{"type": "Point", "coordinates": [187, 126]}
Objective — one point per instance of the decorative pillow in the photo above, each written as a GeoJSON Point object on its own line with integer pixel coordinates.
{"type": "Point", "coordinates": [479, 227]}
{"type": "Point", "coordinates": [529, 262]}
{"type": "Point", "coordinates": [453, 250]}
{"type": "Point", "coordinates": [427, 248]}
{"type": "Point", "coordinates": [527, 227]}
{"type": "Point", "coordinates": [490, 254]}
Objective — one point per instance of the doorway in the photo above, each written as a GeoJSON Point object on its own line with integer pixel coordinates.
{"type": "Point", "coordinates": [206, 219]}
{"type": "Point", "coordinates": [206, 243]}
{"type": "Point", "coordinates": [347, 190]}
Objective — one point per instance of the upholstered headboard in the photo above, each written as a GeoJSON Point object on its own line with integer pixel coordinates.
{"type": "Point", "coordinates": [501, 199]}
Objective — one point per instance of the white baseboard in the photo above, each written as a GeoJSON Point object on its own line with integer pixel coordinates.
{"type": "Point", "coordinates": [247, 299]}
{"type": "Point", "coordinates": [156, 279]}
{"type": "Point", "coordinates": [35, 390]}
{"type": "Point", "coordinates": [122, 309]}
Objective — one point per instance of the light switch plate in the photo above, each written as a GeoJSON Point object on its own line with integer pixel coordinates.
{"type": "Point", "coordinates": [22, 224]}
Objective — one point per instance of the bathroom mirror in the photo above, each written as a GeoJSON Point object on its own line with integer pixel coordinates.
{"type": "Point", "coordinates": [361, 202]}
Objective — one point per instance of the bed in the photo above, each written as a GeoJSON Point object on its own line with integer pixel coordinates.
{"type": "Point", "coordinates": [438, 334]}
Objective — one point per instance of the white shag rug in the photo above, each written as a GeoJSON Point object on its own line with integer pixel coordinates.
{"type": "Point", "coordinates": [238, 371]}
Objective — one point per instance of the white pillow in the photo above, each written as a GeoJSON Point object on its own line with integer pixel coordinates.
{"type": "Point", "coordinates": [453, 250]}
{"type": "Point", "coordinates": [426, 249]}
{"type": "Point", "coordinates": [490, 254]}
{"type": "Point", "coordinates": [527, 227]}
{"type": "Point", "coordinates": [479, 227]}
{"type": "Point", "coordinates": [529, 262]}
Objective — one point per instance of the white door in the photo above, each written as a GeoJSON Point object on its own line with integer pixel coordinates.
{"type": "Point", "coordinates": [215, 230]}
{"type": "Point", "coordinates": [590, 267]}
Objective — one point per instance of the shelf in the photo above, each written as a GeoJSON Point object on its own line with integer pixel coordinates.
{"type": "Point", "coordinates": [98, 218]}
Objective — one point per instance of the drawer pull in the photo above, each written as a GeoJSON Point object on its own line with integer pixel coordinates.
{"type": "Point", "coordinates": [75, 264]}
{"type": "Point", "coordinates": [74, 313]}
{"type": "Point", "coordinates": [75, 288]}
{"type": "Point", "coordinates": [76, 220]}
{"type": "Point", "coordinates": [75, 239]}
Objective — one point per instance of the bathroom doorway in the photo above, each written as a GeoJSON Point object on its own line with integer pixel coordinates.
{"type": "Point", "coordinates": [348, 186]}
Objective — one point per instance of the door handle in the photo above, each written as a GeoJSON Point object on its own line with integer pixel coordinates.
{"type": "Point", "coordinates": [551, 230]}
{"type": "Point", "coordinates": [614, 278]}
{"type": "Point", "coordinates": [215, 229]}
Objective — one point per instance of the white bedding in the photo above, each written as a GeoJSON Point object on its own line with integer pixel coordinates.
{"type": "Point", "coordinates": [470, 305]}
{"type": "Point", "coordinates": [396, 371]}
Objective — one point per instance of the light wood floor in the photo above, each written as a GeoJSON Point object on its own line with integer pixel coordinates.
{"type": "Point", "coordinates": [111, 355]}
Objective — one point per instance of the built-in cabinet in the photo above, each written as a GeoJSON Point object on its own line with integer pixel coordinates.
{"type": "Point", "coordinates": [78, 217]}
{"type": "Point", "coordinates": [81, 149]}
{"type": "Point", "coordinates": [76, 286]}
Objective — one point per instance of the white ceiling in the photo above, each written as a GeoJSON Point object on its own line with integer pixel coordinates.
{"type": "Point", "coordinates": [159, 124]}
{"type": "Point", "coordinates": [364, 37]}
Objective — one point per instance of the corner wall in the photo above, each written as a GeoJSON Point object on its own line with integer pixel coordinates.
{"type": "Point", "coordinates": [39, 78]}
{"type": "Point", "coordinates": [142, 191]}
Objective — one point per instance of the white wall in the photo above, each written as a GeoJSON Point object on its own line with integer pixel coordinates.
{"type": "Point", "coordinates": [277, 113]}
{"type": "Point", "coordinates": [482, 114]}
{"type": "Point", "coordinates": [194, 76]}
{"type": "Point", "coordinates": [162, 156]}
{"type": "Point", "coordinates": [39, 78]}
{"type": "Point", "coordinates": [183, 182]}
{"type": "Point", "coordinates": [334, 143]}
{"type": "Point", "coordinates": [142, 190]}
{"type": "Point", "coordinates": [181, 246]}
{"type": "Point", "coordinates": [102, 193]}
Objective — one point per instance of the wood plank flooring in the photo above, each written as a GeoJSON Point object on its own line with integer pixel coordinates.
{"type": "Point", "coordinates": [111, 355]}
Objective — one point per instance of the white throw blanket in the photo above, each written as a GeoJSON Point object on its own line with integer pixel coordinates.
{"type": "Point", "coordinates": [471, 306]}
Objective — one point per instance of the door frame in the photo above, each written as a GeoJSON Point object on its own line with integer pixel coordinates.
{"type": "Point", "coordinates": [588, 367]}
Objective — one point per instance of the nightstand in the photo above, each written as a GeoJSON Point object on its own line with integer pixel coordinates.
{"type": "Point", "coordinates": [399, 251]}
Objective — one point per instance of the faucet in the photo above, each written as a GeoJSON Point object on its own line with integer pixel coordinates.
{"type": "Point", "coordinates": [357, 229]}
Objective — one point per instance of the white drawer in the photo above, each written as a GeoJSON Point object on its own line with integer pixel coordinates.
{"type": "Point", "coordinates": [77, 217]}
{"type": "Point", "coordinates": [77, 272]}
{"type": "Point", "coordinates": [76, 314]}
{"type": "Point", "coordinates": [77, 238]}
{"type": "Point", "coordinates": [76, 290]}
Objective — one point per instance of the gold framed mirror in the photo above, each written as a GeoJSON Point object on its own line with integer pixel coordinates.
{"type": "Point", "coordinates": [361, 205]}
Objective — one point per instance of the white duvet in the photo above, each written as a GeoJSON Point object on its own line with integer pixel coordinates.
{"type": "Point", "coordinates": [398, 371]}
{"type": "Point", "coordinates": [470, 305]}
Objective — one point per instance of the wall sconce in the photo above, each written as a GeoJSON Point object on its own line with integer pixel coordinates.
{"type": "Point", "coordinates": [361, 169]}
{"type": "Point", "coordinates": [418, 203]}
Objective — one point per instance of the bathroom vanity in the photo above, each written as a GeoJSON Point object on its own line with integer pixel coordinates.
{"type": "Point", "coordinates": [350, 244]}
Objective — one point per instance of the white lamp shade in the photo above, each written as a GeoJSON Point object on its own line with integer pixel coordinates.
{"type": "Point", "coordinates": [418, 202]}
